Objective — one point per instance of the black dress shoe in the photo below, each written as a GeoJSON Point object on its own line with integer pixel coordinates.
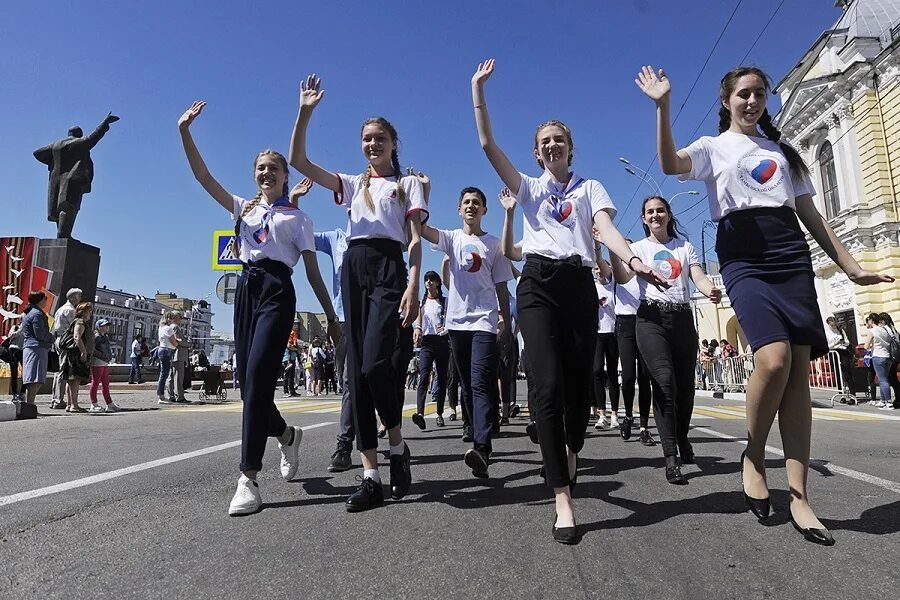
{"type": "Point", "coordinates": [674, 476]}
{"type": "Point", "coordinates": [468, 434]}
{"type": "Point", "coordinates": [452, 416]}
{"type": "Point", "coordinates": [816, 536]}
{"type": "Point", "coordinates": [504, 421]}
{"type": "Point", "coordinates": [439, 421]}
{"type": "Point", "coordinates": [340, 460]}
{"type": "Point", "coordinates": [625, 428]}
{"type": "Point", "coordinates": [647, 438]}
{"type": "Point", "coordinates": [419, 420]}
{"type": "Point", "coordinates": [514, 410]}
{"type": "Point", "coordinates": [760, 507]}
{"type": "Point", "coordinates": [477, 460]}
{"type": "Point", "coordinates": [566, 535]}
{"type": "Point", "coordinates": [401, 478]}
{"type": "Point", "coordinates": [531, 430]}
{"type": "Point", "coordinates": [369, 495]}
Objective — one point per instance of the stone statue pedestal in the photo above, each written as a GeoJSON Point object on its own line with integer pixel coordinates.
{"type": "Point", "coordinates": [73, 263]}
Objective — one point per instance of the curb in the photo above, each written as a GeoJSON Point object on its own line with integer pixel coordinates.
{"type": "Point", "coordinates": [740, 397]}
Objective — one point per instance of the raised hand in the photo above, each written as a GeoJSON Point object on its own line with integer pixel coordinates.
{"type": "Point", "coordinates": [483, 72]}
{"type": "Point", "coordinates": [190, 114]}
{"type": "Point", "coordinates": [656, 86]}
{"type": "Point", "coordinates": [110, 118]}
{"type": "Point", "coordinates": [422, 177]}
{"type": "Point", "coordinates": [311, 92]}
{"type": "Point", "coordinates": [869, 278]}
{"type": "Point", "coordinates": [301, 189]}
{"type": "Point", "coordinates": [507, 201]}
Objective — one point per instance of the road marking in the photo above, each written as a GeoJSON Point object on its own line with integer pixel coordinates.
{"type": "Point", "coordinates": [891, 486]}
{"type": "Point", "coordinates": [85, 481]}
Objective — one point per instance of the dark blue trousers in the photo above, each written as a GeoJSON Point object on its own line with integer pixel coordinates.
{"type": "Point", "coordinates": [435, 351]}
{"type": "Point", "coordinates": [475, 353]}
{"type": "Point", "coordinates": [373, 279]}
{"type": "Point", "coordinates": [263, 316]}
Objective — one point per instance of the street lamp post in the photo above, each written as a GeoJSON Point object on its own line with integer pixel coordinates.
{"type": "Point", "coordinates": [641, 174]}
{"type": "Point", "coordinates": [686, 193]}
{"type": "Point", "coordinates": [703, 228]}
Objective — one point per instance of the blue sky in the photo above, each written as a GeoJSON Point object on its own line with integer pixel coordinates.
{"type": "Point", "coordinates": [67, 63]}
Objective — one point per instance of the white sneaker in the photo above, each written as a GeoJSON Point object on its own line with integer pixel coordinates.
{"type": "Point", "coordinates": [602, 424]}
{"type": "Point", "coordinates": [112, 407]}
{"type": "Point", "coordinates": [614, 421]}
{"type": "Point", "coordinates": [878, 404]}
{"type": "Point", "coordinates": [290, 455]}
{"type": "Point", "coordinates": [162, 400]}
{"type": "Point", "coordinates": [887, 407]}
{"type": "Point", "coordinates": [96, 408]}
{"type": "Point", "coordinates": [246, 499]}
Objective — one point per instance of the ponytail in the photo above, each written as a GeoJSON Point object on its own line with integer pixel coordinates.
{"type": "Point", "coordinates": [793, 157]}
{"type": "Point", "coordinates": [235, 244]}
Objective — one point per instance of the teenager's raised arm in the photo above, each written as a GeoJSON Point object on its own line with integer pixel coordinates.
{"type": "Point", "coordinates": [507, 247]}
{"type": "Point", "coordinates": [505, 169]}
{"type": "Point", "coordinates": [198, 166]}
{"type": "Point", "coordinates": [409, 303]}
{"type": "Point", "coordinates": [428, 232]}
{"type": "Point", "coordinates": [613, 240]}
{"type": "Point", "coordinates": [310, 96]}
{"type": "Point", "coordinates": [658, 88]}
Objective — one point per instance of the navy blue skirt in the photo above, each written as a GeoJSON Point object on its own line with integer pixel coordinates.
{"type": "Point", "coordinates": [768, 275]}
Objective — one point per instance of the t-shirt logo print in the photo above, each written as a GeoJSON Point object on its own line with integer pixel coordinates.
{"type": "Point", "coordinates": [760, 172]}
{"type": "Point", "coordinates": [764, 170]}
{"type": "Point", "coordinates": [471, 258]}
{"type": "Point", "coordinates": [667, 265]}
{"type": "Point", "coordinates": [560, 209]}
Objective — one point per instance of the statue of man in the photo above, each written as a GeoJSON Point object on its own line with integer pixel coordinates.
{"type": "Point", "coordinates": [71, 174]}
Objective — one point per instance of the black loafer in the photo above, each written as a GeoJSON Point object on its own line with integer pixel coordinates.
{"type": "Point", "coordinates": [504, 421]}
{"type": "Point", "coordinates": [452, 416]}
{"type": "Point", "coordinates": [760, 507]}
{"type": "Point", "coordinates": [401, 478]}
{"type": "Point", "coordinates": [674, 476]}
{"type": "Point", "coordinates": [369, 495]}
{"type": "Point", "coordinates": [625, 428]}
{"type": "Point", "coordinates": [439, 421]}
{"type": "Point", "coordinates": [419, 420]}
{"type": "Point", "coordinates": [647, 438]}
{"type": "Point", "coordinates": [566, 535]}
{"type": "Point", "coordinates": [822, 537]}
{"type": "Point", "coordinates": [514, 410]}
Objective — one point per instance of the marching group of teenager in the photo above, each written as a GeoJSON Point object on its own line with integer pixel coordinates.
{"type": "Point", "coordinates": [636, 306]}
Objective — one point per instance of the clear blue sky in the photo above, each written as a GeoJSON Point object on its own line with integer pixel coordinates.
{"type": "Point", "coordinates": [68, 63]}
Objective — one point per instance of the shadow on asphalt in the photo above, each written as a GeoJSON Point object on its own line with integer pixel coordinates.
{"type": "Point", "coordinates": [879, 520]}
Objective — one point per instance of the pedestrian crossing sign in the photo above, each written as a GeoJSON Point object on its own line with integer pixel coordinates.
{"type": "Point", "coordinates": [223, 258]}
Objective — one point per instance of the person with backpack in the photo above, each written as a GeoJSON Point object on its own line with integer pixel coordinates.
{"type": "Point", "coordinates": [885, 345]}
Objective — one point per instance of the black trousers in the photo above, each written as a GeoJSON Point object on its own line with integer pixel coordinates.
{"type": "Point", "coordinates": [435, 352]}
{"type": "Point", "coordinates": [373, 279]}
{"type": "Point", "coordinates": [633, 369]}
{"type": "Point", "coordinates": [558, 307]}
{"type": "Point", "coordinates": [475, 353]}
{"type": "Point", "coordinates": [15, 359]}
{"type": "Point", "coordinates": [263, 316]}
{"type": "Point", "coordinates": [668, 343]}
{"type": "Point", "coordinates": [509, 366]}
{"type": "Point", "coordinates": [606, 371]}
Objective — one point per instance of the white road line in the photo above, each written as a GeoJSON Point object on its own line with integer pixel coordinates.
{"type": "Point", "coordinates": [887, 484]}
{"type": "Point", "coordinates": [85, 481]}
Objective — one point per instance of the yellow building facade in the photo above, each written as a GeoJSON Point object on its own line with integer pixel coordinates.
{"type": "Point", "coordinates": [841, 110]}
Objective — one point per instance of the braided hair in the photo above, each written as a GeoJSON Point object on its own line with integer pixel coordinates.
{"type": "Point", "coordinates": [254, 202]}
{"type": "Point", "coordinates": [435, 277]}
{"type": "Point", "coordinates": [566, 130]}
{"type": "Point", "coordinates": [798, 167]}
{"type": "Point", "coordinates": [395, 162]}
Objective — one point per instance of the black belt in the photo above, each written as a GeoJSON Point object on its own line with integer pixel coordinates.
{"type": "Point", "coordinates": [275, 267]}
{"type": "Point", "coordinates": [666, 306]}
{"type": "Point", "coordinates": [570, 261]}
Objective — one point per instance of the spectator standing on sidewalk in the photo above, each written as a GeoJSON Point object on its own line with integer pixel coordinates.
{"type": "Point", "coordinates": [100, 360]}
{"type": "Point", "coordinates": [180, 357]}
{"type": "Point", "coordinates": [168, 343]}
{"type": "Point", "coordinates": [885, 343]}
{"type": "Point", "coordinates": [77, 348]}
{"type": "Point", "coordinates": [62, 319]}
{"type": "Point", "coordinates": [839, 343]}
{"type": "Point", "coordinates": [137, 353]}
{"type": "Point", "coordinates": [37, 341]}
{"type": "Point", "coordinates": [13, 344]}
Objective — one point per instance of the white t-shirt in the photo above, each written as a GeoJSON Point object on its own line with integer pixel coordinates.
{"type": "Point", "coordinates": [389, 219]}
{"type": "Point", "coordinates": [628, 296]}
{"type": "Point", "coordinates": [558, 219]}
{"type": "Point", "coordinates": [673, 260]}
{"type": "Point", "coordinates": [476, 266]}
{"type": "Point", "coordinates": [836, 340]}
{"type": "Point", "coordinates": [433, 317]}
{"type": "Point", "coordinates": [743, 172]}
{"type": "Point", "coordinates": [882, 339]}
{"type": "Point", "coordinates": [290, 232]}
{"type": "Point", "coordinates": [164, 335]}
{"type": "Point", "coordinates": [606, 292]}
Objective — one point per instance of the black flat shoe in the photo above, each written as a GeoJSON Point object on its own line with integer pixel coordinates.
{"type": "Point", "coordinates": [822, 537]}
{"type": "Point", "coordinates": [369, 495]}
{"type": "Point", "coordinates": [625, 428]}
{"type": "Point", "coordinates": [647, 438]}
{"type": "Point", "coordinates": [674, 476]}
{"type": "Point", "coordinates": [760, 507]}
{"type": "Point", "coordinates": [468, 434]}
{"type": "Point", "coordinates": [531, 430]}
{"type": "Point", "coordinates": [452, 416]}
{"type": "Point", "coordinates": [401, 477]}
{"type": "Point", "coordinates": [419, 420]}
{"type": "Point", "coordinates": [514, 410]}
{"type": "Point", "coordinates": [477, 460]}
{"type": "Point", "coordinates": [566, 535]}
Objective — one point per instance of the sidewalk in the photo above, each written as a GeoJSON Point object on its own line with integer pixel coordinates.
{"type": "Point", "coordinates": [820, 399]}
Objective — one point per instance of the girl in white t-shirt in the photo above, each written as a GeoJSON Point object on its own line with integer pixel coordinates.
{"type": "Point", "coordinates": [271, 235]}
{"type": "Point", "coordinates": [666, 336]}
{"type": "Point", "coordinates": [556, 298]}
{"type": "Point", "coordinates": [431, 336]}
{"type": "Point", "coordinates": [386, 212]}
{"type": "Point", "coordinates": [757, 189]}
{"type": "Point", "coordinates": [883, 335]}
{"type": "Point", "coordinates": [478, 296]}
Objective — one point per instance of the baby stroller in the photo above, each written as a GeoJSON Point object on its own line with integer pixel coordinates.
{"type": "Point", "coordinates": [213, 389]}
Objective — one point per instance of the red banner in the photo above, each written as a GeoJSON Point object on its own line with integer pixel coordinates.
{"type": "Point", "coordinates": [18, 278]}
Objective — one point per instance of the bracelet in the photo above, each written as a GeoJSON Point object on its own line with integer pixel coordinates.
{"type": "Point", "coordinates": [419, 327]}
{"type": "Point", "coordinates": [631, 259]}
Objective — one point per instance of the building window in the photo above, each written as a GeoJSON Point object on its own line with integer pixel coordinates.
{"type": "Point", "coordinates": [829, 181]}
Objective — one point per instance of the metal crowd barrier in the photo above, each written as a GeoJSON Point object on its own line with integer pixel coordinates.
{"type": "Point", "coordinates": [825, 373]}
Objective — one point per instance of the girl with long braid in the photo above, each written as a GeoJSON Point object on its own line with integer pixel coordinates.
{"type": "Point", "coordinates": [758, 187]}
{"type": "Point", "coordinates": [272, 234]}
{"type": "Point", "coordinates": [386, 212]}
{"type": "Point", "coordinates": [557, 302]}
{"type": "Point", "coordinates": [431, 336]}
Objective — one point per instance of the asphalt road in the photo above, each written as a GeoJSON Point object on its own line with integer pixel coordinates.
{"type": "Point", "coordinates": [161, 530]}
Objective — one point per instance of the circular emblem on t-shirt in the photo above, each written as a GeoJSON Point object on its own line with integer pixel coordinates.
{"type": "Point", "coordinates": [561, 209]}
{"type": "Point", "coordinates": [759, 172]}
{"type": "Point", "coordinates": [471, 258]}
{"type": "Point", "coordinates": [667, 265]}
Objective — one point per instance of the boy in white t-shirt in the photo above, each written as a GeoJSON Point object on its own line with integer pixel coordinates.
{"type": "Point", "coordinates": [477, 296]}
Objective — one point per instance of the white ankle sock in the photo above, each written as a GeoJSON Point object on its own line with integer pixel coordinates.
{"type": "Point", "coordinates": [372, 474]}
{"type": "Point", "coordinates": [398, 449]}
